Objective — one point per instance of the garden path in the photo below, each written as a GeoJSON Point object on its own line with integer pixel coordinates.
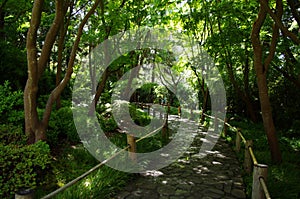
{"type": "Point", "coordinates": [217, 175]}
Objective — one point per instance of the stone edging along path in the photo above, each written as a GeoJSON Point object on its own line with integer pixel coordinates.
{"type": "Point", "coordinates": [218, 175]}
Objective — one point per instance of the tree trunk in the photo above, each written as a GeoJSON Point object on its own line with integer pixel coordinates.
{"type": "Point", "coordinates": [60, 49]}
{"type": "Point", "coordinates": [204, 105]}
{"type": "Point", "coordinates": [261, 67]}
{"type": "Point", "coordinates": [267, 117]}
{"type": "Point", "coordinates": [32, 123]}
{"type": "Point", "coordinates": [35, 128]}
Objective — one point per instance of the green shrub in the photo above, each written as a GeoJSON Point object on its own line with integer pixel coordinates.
{"type": "Point", "coordinates": [139, 116]}
{"type": "Point", "coordinates": [20, 166]}
{"type": "Point", "coordinates": [107, 123]}
{"type": "Point", "coordinates": [11, 134]}
{"type": "Point", "coordinates": [61, 126]}
{"type": "Point", "coordinates": [66, 124]}
{"type": "Point", "coordinates": [11, 105]}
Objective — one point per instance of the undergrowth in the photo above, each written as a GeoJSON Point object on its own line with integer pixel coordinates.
{"type": "Point", "coordinates": [283, 179]}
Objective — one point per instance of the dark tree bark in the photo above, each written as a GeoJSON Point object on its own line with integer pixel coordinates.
{"type": "Point", "coordinates": [261, 68]}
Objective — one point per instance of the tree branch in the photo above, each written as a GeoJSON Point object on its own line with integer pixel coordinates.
{"type": "Point", "coordinates": [32, 38]}
{"type": "Point", "coordinates": [294, 10]}
{"type": "Point", "coordinates": [57, 91]}
{"type": "Point", "coordinates": [275, 35]}
{"type": "Point", "coordinates": [279, 23]}
{"type": "Point", "coordinates": [51, 37]}
{"type": "Point", "coordinates": [255, 38]}
{"type": "Point", "coordinates": [287, 76]}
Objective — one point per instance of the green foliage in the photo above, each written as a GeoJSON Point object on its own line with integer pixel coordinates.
{"type": "Point", "coordinates": [61, 126]}
{"type": "Point", "coordinates": [173, 110]}
{"type": "Point", "coordinates": [139, 116]}
{"type": "Point", "coordinates": [12, 65]}
{"type": "Point", "coordinates": [11, 105]}
{"type": "Point", "coordinates": [107, 123]}
{"type": "Point", "coordinates": [11, 134]}
{"type": "Point", "coordinates": [72, 162]}
{"type": "Point", "coordinates": [102, 183]}
{"type": "Point", "coordinates": [282, 179]}
{"type": "Point", "coordinates": [20, 165]}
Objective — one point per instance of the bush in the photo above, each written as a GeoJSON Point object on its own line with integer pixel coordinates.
{"type": "Point", "coordinates": [61, 126]}
{"type": "Point", "coordinates": [20, 166]}
{"type": "Point", "coordinates": [139, 116]}
{"type": "Point", "coordinates": [11, 134]}
{"type": "Point", "coordinates": [11, 105]}
{"type": "Point", "coordinates": [107, 123]}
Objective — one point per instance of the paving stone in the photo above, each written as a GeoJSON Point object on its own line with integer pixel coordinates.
{"type": "Point", "coordinates": [238, 193]}
{"type": "Point", "coordinates": [213, 195]}
{"type": "Point", "coordinates": [217, 175]}
{"type": "Point", "coordinates": [148, 186]}
{"type": "Point", "coordinates": [217, 191]}
{"type": "Point", "coordinates": [166, 190]}
{"type": "Point", "coordinates": [182, 192]}
{"type": "Point", "coordinates": [123, 195]}
{"type": "Point", "coordinates": [227, 188]}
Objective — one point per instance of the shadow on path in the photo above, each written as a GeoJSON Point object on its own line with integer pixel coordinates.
{"type": "Point", "coordinates": [218, 175]}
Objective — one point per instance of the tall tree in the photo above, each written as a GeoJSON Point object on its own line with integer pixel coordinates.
{"type": "Point", "coordinates": [262, 61]}
{"type": "Point", "coordinates": [224, 33]}
{"type": "Point", "coordinates": [261, 67]}
{"type": "Point", "coordinates": [35, 127]}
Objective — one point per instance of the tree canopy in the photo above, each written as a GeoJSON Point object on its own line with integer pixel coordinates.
{"type": "Point", "coordinates": [254, 44]}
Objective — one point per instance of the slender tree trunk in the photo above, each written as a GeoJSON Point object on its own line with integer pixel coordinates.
{"type": "Point", "coordinates": [99, 91]}
{"type": "Point", "coordinates": [267, 117]}
{"type": "Point", "coordinates": [60, 46]}
{"type": "Point", "coordinates": [244, 95]}
{"type": "Point", "coordinates": [60, 49]}
{"type": "Point", "coordinates": [32, 123]}
{"type": "Point", "coordinates": [261, 67]}
{"type": "Point", "coordinates": [204, 105]}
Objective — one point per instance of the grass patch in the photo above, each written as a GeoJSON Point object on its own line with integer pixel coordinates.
{"type": "Point", "coordinates": [71, 163]}
{"type": "Point", "coordinates": [283, 179]}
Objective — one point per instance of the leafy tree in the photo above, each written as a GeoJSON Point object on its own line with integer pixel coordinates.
{"type": "Point", "coordinates": [262, 60]}
{"type": "Point", "coordinates": [35, 127]}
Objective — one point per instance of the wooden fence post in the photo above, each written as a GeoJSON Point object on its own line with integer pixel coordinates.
{"type": "Point", "coordinates": [248, 160]}
{"type": "Point", "coordinates": [25, 194]}
{"type": "Point", "coordinates": [259, 171]}
{"type": "Point", "coordinates": [132, 149]}
{"type": "Point", "coordinates": [216, 123]}
{"type": "Point", "coordinates": [238, 141]}
{"type": "Point", "coordinates": [225, 127]}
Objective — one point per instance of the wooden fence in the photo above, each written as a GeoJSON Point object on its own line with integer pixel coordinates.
{"type": "Point", "coordinates": [259, 187]}
{"type": "Point", "coordinates": [131, 147]}
{"type": "Point", "coordinates": [260, 171]}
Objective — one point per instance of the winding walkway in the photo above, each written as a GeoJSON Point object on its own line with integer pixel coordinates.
{"type": "Point", "coordinates": [218, 175]}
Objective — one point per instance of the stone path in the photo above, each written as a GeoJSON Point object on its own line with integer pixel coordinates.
{"type": "Point", "coordinates": [218, 175]}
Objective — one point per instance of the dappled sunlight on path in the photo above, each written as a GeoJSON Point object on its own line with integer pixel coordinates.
{"type": "Point", "coordinates": [218, 175]}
